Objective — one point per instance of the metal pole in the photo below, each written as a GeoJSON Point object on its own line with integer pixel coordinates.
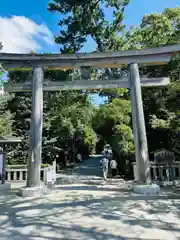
{"type": "Point", "coordinates": [3, 176]}
{"type": "Point", "coordinates": [34, 164]}
{"type": "Point", "coordinates": [141, 147]}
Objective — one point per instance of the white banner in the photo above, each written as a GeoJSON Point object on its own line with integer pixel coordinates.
{"type": "Point", "coordinates": [1, 162]}
{"type": "Point", "coordinates": [51, 175]}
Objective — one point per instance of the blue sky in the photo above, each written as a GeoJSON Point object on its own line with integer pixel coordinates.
{"type": "Point", "coordinates": [37, 11]}
{"type": "Point", "coordinates": [39, 32]}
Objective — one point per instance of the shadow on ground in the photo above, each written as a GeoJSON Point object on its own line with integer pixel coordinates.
{"type": "Point", "coordinates": [89, 212]}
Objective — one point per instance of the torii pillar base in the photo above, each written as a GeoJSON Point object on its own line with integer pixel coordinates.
{"type": "Point", "coordinates": [5, 186]}
{"type": "Point", "coordinates": [147, 189]}
{"type": "Point", "coordinates": [38, 191]}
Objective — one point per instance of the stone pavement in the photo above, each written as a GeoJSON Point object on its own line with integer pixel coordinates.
{"type": "Point", "coordinates": [89, 209]}
{"type": "Point", "coordinates": [89, 212]}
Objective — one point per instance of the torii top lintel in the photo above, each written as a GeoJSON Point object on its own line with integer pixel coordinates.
{"type": "Point", "coordinates": [151, 56]}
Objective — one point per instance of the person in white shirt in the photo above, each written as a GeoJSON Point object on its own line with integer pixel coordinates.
{"type": "Point", "coordinates": [79, 157]}
{"type": "Point", "coordinates": [105, 164]}
{"type": "Point", "coordinates": [113, 166]}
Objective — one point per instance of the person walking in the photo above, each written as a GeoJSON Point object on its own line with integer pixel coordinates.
{"type": "Point", "coordinates": [113, 166]}
{"type": "Point", "coordinates": [105, 164]}
{"type": "Point", "coordinates": [107, 152]}
{"type": "Point", "coordinates": [79, 157]}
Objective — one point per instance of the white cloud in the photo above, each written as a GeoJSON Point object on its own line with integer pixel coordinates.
{"type": "Point", "coordinates": [22, 35]}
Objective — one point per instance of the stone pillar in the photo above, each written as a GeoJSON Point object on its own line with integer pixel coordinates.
{"type": "Point", "coordinates": [4, 185]}
{"type": "Point", "coordinates": [3, 180]}
{"type": "Point", "coordinates": [141, 148]}
{"type": "Point", "coordinates": [34, 163]}
{"type": "Point", "coordinates": [136, 170]}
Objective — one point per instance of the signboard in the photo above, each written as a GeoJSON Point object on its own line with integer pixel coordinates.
{"type": "Point", "coordinates": [163, 155]}
{"type": "Point", "coordinates": [1, 163]}
{"type": "Point", "coordinates": [50, 175]}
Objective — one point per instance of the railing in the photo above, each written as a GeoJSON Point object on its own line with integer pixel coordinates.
{"type": "Point", "coordinates": [19, 173]}
{"type": "Point", "coordinates": [15, 174]}
{"type": "Point", "coordinates": [161, 172]}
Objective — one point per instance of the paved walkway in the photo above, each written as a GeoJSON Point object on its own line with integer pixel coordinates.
{"type": "Point", "coordinates": [90, 210]}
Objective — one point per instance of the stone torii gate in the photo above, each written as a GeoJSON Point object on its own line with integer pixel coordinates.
{"type": "Point", "coordinates": [40, 62]}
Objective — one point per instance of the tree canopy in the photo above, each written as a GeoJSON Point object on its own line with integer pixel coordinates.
{"type": "Point", "coordinates": [161, 105]}
{"type": "Point", "coordinates": [80, 21]}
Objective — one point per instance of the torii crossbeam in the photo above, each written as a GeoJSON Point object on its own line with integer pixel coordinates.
{"type": "Point", "coordinates": [39, 62]}
{"type": "Point", "coordinates": [54, 86]}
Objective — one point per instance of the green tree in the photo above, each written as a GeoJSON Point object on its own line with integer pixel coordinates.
{"type": "Point", "coordinates": [79, 22]}
{"type": "Point", "coordinates": [161, 105]}
{"type": "Point", "coordinates": [64, 112]}
{"type": "Point", "coordinates": [5, 123]}
{"type": "Point", "coordinates": [5, 116]}
{"type": "Point", "coordinates": [71, 118]}
{"type": "Point", "coordinates": [89, 19]}
{"type": "Point", "coordinates": [113, 122]}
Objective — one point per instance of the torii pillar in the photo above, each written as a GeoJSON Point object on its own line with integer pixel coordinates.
{"type": "Point", "coordinates": [140, 138]}
{"type": "Point", "coordinates": [34, 186]}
